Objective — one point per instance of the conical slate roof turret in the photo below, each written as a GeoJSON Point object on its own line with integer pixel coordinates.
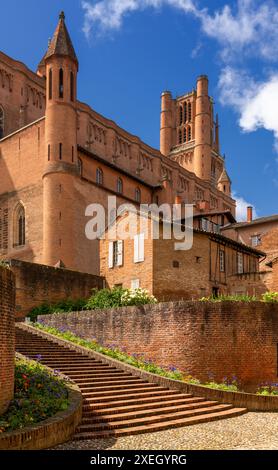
{"type": "Point", "coordinates": [224, 177]}
{"type": "Point", "coordinates": [60, 44]}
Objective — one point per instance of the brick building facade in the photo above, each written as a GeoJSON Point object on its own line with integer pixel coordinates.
{"type": "Point", "coordinates": [213, 265]}
{"type": "Point", "coordinates": [58, 155]}
{"type": "Point", "coordinates": [259, 233]}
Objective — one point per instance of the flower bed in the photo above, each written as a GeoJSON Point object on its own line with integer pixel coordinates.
{"type": "Point", "coordinates": [142, 363]}
{"type": "Point", "coordinates": [38, 396]}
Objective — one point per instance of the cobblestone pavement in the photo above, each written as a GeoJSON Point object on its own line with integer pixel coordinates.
{"type": "Point", "coordinates": [252, 431]}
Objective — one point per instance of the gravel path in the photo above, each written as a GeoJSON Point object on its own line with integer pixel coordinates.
{"type": "Point", "coordinates": [251, 431]}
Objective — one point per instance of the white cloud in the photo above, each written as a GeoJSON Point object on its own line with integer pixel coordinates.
{"type": "Point", "coordinates": [241, 208]}
{"type": "Point", "coordinates": [254, 101]}
{"type": "Point", "coordinates": [107, 15]}
{"type": "Point", "coordinates": [252, 29]}
{"type": "Point", "coordinates": [249, 29]}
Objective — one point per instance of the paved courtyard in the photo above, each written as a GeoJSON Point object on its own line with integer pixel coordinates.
{"type": "Point", "coordinates": [252, 431]}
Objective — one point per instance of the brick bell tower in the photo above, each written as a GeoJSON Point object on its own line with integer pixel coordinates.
{"type": "Point", "coordinates": [60, 66]}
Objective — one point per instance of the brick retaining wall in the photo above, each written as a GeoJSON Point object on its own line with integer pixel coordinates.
{"type": "Point", "coordinates": [7, 337]}
{"type": "Point", "coordinates": [37, 284]}
{"type": "Point", "coordinates": [224, 339]}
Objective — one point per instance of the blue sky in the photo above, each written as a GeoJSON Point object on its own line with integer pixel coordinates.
{"type": "Point", "coordinates": [131, 50]}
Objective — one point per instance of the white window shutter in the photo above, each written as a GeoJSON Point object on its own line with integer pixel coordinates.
{"type": "Point", "coordinates": [141, 248]}
{"type": "Point", "coordinates": [110, 256]}
{"type": "Point", "coordinates": [135, 284]}
{"type": "Point", "coordinates": [120, 245]}
{"type": "Point", "coordinates": [136, 248]}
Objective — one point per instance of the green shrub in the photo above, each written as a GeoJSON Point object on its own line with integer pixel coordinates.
{"type": "Point", "coordinates": [106, 298]}
{"type": "Point", "coordinates": [270, 297]}
{"type": "Point", "coordinates": [268, 389]}
{"type": "Point", "coordinates": [230, 298]}
{"type": "Point", "coordinates": [60, 307]}
{"type": "Point", "coordinates": [118, 297]}
{"type": "Point", "coordinates": [38, 395]}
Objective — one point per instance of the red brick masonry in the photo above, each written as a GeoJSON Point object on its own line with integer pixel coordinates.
{"type": "Point", "coordinates": [7, 341]}
{"type": "Point", "coordinates": [224, 339]}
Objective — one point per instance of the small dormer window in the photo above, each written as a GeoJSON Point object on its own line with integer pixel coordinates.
{"type": "Point", "coordinates": [61, 83]}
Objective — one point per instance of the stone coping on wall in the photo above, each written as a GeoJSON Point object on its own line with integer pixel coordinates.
{"type": "Point", "coordinates": [50, 432]}
{"type": "Point", "coordinates": [250, 401]}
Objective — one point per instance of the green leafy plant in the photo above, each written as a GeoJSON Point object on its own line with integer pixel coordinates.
{"type": "Point", "coordinates": [268, 389]}
{"type": "Point", "coordinates": [119, 297]}
{"type": "Point", "coordinates": [4, 264]}
{"type": "Point", "coordinates": [230, 298]}
{"type": "Point", "coordinates": [138, 297]}
{"type": "Point", "coordinates": [38, 395]}
{"type": "Point", "coordinates": [270, 297]}
{"type": "Point", "coordinates": [60, 307]}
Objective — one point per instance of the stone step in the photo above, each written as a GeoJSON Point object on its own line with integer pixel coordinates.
{"type": "Point", "coordinates": [85, 378]}
{"type": "Point", "coordinates": [115, 381]}
{"type": "Point", "coordinates": [135, 395]}
{"type": "Point", "coordinates": [147, 405]}
{"type": "Point", "coordinates": [91, 404]}
{"type": "Point", "coordinates": [125, 387]}
{"type": "Point", "coordinates": [116, 402]}
{"type": "Point", "coordinates": [161, 426]}
{"type": "Point", "coordinates": [159, 418]}
{"type": "Point", "coordinates": [134, 414]}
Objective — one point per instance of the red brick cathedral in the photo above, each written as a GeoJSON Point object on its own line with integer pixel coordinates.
{"type": "Point", "coordinates": [57, 155]}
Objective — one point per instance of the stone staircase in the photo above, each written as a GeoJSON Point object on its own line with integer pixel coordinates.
{"type": "Point", "coordinates": [117, 403]}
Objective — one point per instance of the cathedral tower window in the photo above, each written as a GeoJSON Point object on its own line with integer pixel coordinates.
{"type": "Point", "coordinates": [120, 186]}
{"type": "Point", "coordinates": [185, 112]}
{"type": "Point", "coordinates": [61, 83]}
{"type": "Point", "coordinates": [19, 226]}
{"type": "Point", "coordinates": [99, 176]}
{"type": "Point", "coordinates": [50, 84]}
{"type": "Point", "coordinates": [180, 115]}
{"type": "Point", "coordinates": [184, 134]}
{"type": "Point", "coordinates": [60, 151]}
{"type": "Point", "coordinates": [189, 133]}
{"type": "Point", "coordinates": [71, 86]}
{"type": "Point", "coordinates": [189, 112]}
{"type": "Point", "coordinates": [180, 137]}
{"type": "Point", "coordinates": [137, 195]}
{"type": "Point", "coordinates": [48, 151]}
{"type": "Point", "coordinates": [1, 122]}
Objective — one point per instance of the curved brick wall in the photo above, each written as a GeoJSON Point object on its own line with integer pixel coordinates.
{"type": "Point", "coordinates": [7, 341]}
{"type": "Point", "coordinates": [201, 338]}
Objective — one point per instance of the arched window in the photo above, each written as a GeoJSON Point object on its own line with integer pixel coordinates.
{"type": "Point", "coordinates": [61, 83]}
{"type": "Point", "coordinates": [50, 84]}
{"type": "Point", "coordinates": [99, 176]}
{"type": "Point", "coordinates": [185, 112]}
{"type": "Point", "coordinates": [19, 225]}
{"type": "Point", "coordinates": [1, 122]}
{"type": "Point", "coordinates": [137, 195]}
{"type": "Point", "coordinates": [184, 134]}
{"type": "Point", "coordinates": [181, 115]}
{"type": "Point", "coordinates": [71, 86]}
{"type": "Point", "coordinates": [120, 185]}
{"type": "Point", "coordinates": [189, 112]}
{"type": "Point", "coordinates": [180, 137]}
{"type": "Point", "coordinates": [80, 166]}
{"type": "Point", "coordinates": [189, 133]}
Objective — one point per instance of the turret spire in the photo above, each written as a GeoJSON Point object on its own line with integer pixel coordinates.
{"type": "Point", "coordinates": [60, 44]}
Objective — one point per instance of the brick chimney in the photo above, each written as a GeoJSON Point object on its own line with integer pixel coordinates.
{"type": "Point", "coordinates": [249, 214]}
